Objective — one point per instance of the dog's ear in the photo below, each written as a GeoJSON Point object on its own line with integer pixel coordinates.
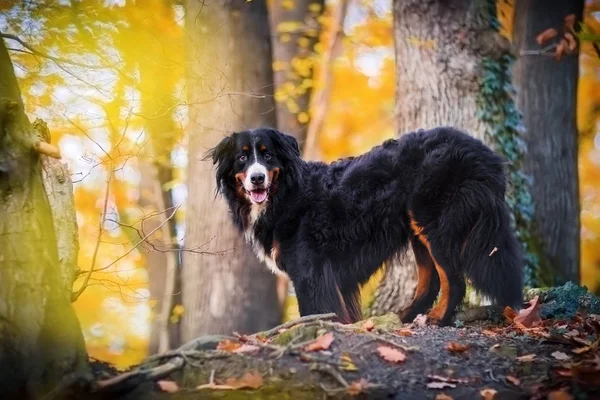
{"type": "Point", "coordinates": [287, 145]}
{"type": "Point", "coordinates": [222, 155]}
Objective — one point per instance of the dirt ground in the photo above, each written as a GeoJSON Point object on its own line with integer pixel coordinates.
{"type": "Point", "coordinates": [548, 350]}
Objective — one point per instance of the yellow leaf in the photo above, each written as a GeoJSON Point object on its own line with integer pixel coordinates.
{"type": "Point", "coordinates": [303, 117]}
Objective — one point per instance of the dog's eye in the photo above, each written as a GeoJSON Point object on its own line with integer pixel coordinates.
{"type": "Point", "coordinates": [267, 156]}
{"type": "Point", "coordinates": [243, 158]}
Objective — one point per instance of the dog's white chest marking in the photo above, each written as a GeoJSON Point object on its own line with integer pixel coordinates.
{"type": "Point", "coordinates": [269, 259]}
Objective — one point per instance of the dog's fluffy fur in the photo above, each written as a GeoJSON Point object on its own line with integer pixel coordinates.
{"type": "Point", "coordinates": [330, 227]}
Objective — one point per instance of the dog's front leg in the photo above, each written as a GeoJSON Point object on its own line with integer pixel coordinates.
{"type": "Point", "coordinates": [319, 293]}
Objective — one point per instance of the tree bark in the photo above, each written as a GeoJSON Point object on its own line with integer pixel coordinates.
{"type": "Point", "coordinates": [40, 338]}
{"type": "Point", "coordinates": [547, 97]}
{"type": "Point", "coordinates": [439, 47]}
{"type": "Point", "coordinates": [230, 85]}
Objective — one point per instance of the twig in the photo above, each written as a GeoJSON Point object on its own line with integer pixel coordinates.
{"type": "Point", "coordinates": [544, 51]}
{"type": "Point", "coordinates": [76, 295]}
{"type": "Point", "coordinates": [289, 324]}
{"type": "Point", "coordinates": [131, 379]}
{"type": "Point", "coordinates": [331, 371]}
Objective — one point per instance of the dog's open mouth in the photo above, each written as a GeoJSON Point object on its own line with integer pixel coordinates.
{"type": "Point", "coordinates": [258, 195]}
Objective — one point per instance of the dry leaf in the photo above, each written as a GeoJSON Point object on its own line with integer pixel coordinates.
{"type": "Point", "coordinates": [529, 316]}
{"type": "Point", "coordinates": [489, 333]}
{"type": "Point", "coordinates": [440, 385]}
{"type": "Point", "coordinates": [588, 371]}
{"type": "Point", "coordinates": [570, 21]}
{"type": "Point", "coordinates": [559, 395]}
{"type": "Point", "coordinates": [241, 338]}
{"type": "Point", "coordinates": [572, 43]}
{"type": "Point", "coordinates": [347, 363]}
{"type": "Point", "coordinates": [513, 379]}
{"type": "Point", "coordinates": [251, 380]}
{"type": "Point", "coordinates": [582, 350]}
{"type": "Point", "coordinates": [545, 36]}
{"type": "Point", "coordinates": [559, 355]}
{"type": "Point", "coordinates": [443, 396]}
{"type": "Point", "coordinates": [247, 349]}
{"type": "Point", "coordinates": [168, 386]}
{"type": "Point", "coordinates": [488, 394]}
{"type": "Point", "coordinates": [368, 325]}
{"type": "Point", "coordinates": [228, 345]}
{"type": "Point", "coordinates": [447, 379]}
{"type": "Point", "coordinates": [357, 387]}
{"type": "Point", "coordinates": [404, 332]}
{"type": "Point", "coordinates": [457, 347]}
{"type": "Point", "coordinates": [321, 343]}
{"type": "Point", "coordinates": [510, 314]}
{"type": "Point", "coordinates": [526, 358]}
{"type": "Point", "coordinates": [390, 354]}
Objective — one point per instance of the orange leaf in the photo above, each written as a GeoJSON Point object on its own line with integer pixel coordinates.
{"type": "Point", "coordinates": [404, 332]}
{"type": "Point", "coordinates": [357, 387]}
{"type": "Point", "coordinates": [168, 386]}
{"type": "Point", "coordinates": [368, 325]}
{"type": "Point", "coordinates": [321, 343]}
{"type": "Point", "coordinates": [545, 36]}
{"type": "Point", "coordinates": [390, 354]}
{"type": "Point", "coordinates": [489, 333]}
{"type": "Point", "coordinates": [443, 396]}
{"type": "Point", "coordinates": [514, 380]}
{"type": "Point", "coordinates": [570, 21]}
{"type": "Point", "coordinates": [510, 314]}
{"type": "Point", "coordinates": [488, 394]}
{"type": "Point", "coordinates": [559, 395]}
{"type": "Point", "coordinates": [529, 316]}
{"type": "Point", "coordinates": [457, 347]}
{"type": "Point", "coordinates": [526, 358]}
{"type": "Point", "coordinates": [559, 355]}
{"type": "Point", "coordinates": [228, 345]}
{"type": "Point", "coordinates": [247, 349]}
{"type": "Point", "coordinates": [251, 380]}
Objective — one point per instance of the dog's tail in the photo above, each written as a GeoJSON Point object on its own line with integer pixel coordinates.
{"type": "Point", "coordinates": [492, 256]}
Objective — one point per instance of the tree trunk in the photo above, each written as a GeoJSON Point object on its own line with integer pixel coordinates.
{"type": "Point", "coordinates": [294, 31]}
{"type": "Point", "coordinates": [547, 97]}
{"type": "Point", "coordinates": [442, 50]}
{"type": "Point", "coordinates": [40, 338]}
{"type": "Point", "coordinates": [230, 83]}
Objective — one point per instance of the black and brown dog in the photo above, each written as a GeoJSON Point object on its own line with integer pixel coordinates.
{"type": "Point", "coordinates": [329, 227]}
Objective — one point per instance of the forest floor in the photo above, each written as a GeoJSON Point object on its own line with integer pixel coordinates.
{"type": "Point", "coordinates": [547, 350]}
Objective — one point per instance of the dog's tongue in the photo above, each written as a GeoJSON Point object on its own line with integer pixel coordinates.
{"type": "Point", "coordinates": [258, 196]}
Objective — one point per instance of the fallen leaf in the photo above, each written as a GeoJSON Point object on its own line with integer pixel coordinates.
{"type": "Point", "coordinates": [247, 349]}
{"type": "Point", "coordinates": [526, 358]}
{"type": "Point", "coordinates": [564, 372]}
{"type": "Point", "coordinates": [390, 354]}
{"type": "Point", "coordinates": [514, 380]}
{"type": "Point", "coordinates": [559, 355]}
{"type": "Point", "coordinates": [582, 350]}
{"type": "Point", "coordinates": [489, 333]}
{"type": "Point", "coordinates": [440, 385]}
{"type": "Point", "coordinates": [168, 386]}
{"type": "Point", "coordinates": [447, 379]}
{"type": "Point", "coordinates": [545, 36]}
{"type": "Point", "coordinates": [241, 338]}
{"type": "Point", "coordinates": [347, 363]}
{"type": "Point", "coordinates": [321, 343]}
{"type": "Point", "coordinates": [529, 316]}
{"type": "Point", "coordinates": [357, 387]}
{"type": "Point", "coordinates": [559, 395]}
{"type": "Point", "coordinates": [252, 380]}
{"type": "Point", "coordinates": [443, 396]}
{"type": "Point", "coordinates": [570, 21]}
{"type": "Point", "coordinates": [404, 332]}
{"type": "Point", "coordinates": [488, 394]}
{"type": "Point", "coordinates": [457, 347]}
{"type": "Point", "coordinates": [509, 313]}
{"type": "Point", "coordinates": [588, 371]}
{"type": "Point", "coordinates": [228, 345]}
{"type": "Point", "coordinates": [368, 325]}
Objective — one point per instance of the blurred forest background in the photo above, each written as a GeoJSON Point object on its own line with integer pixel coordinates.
{"type": "Point", "coordinates": [132, 102]}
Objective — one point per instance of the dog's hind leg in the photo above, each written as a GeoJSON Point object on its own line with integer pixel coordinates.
{"type": "Point", "coordinates": [428, 282]}
{"type": "Point", "coordinates": [452, 284]}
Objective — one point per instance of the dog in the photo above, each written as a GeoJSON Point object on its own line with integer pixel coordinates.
{"type": "Point", "coordinates": [330, 227]}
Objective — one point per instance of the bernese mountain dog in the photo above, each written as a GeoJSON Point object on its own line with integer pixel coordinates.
{"type": "Point", "coordinates": [330, 227]}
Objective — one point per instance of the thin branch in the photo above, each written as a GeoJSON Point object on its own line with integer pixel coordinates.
{"type": "Point", "coordinates": [297, 321]}
{"type": "Point", "coordinates": [76, 295]}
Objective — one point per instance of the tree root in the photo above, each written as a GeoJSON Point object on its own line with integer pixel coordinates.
{"type": "Point", "coordinates": [289, 324]}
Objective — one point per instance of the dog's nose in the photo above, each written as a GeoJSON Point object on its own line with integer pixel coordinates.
{"type": "Point", "coordinates": [257, 178]}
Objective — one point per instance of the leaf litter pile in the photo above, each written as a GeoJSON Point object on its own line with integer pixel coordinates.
{"type": "Point", "coordinates": [547, 350]}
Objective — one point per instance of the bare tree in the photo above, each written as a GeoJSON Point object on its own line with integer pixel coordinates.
{"type": "Point", "coordinates": [548, 88]}
{"type": "Point", "coordinates": [230, 87]}
{"type": "Point", "coordinates": [40, 338]}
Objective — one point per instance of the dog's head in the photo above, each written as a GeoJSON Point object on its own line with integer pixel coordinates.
{"type": "Point", "coordinates": [253, 163]}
